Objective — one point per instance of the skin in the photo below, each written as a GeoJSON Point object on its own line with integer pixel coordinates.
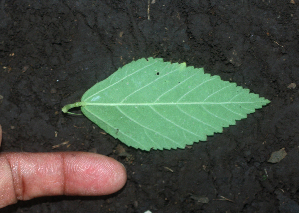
{"type": "Point", "coordinates": [24, 176]}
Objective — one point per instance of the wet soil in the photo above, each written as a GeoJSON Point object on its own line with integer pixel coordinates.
{"type": "Point", "coordinates": [51, 53]}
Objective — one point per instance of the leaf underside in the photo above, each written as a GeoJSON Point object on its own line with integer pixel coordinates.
{"type": "Point", "coordinates": [151, 104]}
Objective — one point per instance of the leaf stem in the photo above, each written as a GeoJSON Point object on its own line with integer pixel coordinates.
{"type": "Point", "coordinates": [66, 108]}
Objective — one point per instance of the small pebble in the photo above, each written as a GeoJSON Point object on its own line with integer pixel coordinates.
{"type": "Point", "coordinates": [292, 86]}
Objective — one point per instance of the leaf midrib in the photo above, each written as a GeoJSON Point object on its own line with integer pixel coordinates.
{"type": "Point", "coordinates": [166, 104]}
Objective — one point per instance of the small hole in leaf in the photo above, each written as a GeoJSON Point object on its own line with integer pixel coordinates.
{"type": "Point", "coordinates": [157, 73]}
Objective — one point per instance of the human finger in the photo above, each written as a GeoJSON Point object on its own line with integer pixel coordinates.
{"type": "Point", "coordinates": [24, 176]}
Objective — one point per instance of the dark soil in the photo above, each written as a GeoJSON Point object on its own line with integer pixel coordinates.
{"type": "Point", "coordinates": [51, 53]}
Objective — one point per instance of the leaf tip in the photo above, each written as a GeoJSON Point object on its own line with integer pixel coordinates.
{"type": "Point", "coordinates": [265, 101]}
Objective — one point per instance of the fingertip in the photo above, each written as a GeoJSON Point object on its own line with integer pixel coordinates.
{"type": "Point", "coordinates": [116, 173]}
{"type": "Point", "coordinates": [121, 176]}
{"type": "Point", "coordinates": [93, 174]}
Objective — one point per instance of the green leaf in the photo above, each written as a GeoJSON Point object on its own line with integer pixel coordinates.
{"type": "Point", "coordinates": [151, 104]}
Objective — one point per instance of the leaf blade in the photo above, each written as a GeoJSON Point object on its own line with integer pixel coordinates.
{"type": "Point", "coordinates": [151, 104]}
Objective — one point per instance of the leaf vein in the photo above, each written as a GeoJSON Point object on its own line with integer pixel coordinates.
{"type": "Point", "coordinates": [130, 118]}
{"type": "Point", "coordinates": [145, 86]}
{"type": "Point", "coordinates": [209, 96]}
{"type": "Point", "coordinates": [126, 76]}
{"type": "Point", "coordinates": [170, 121]}
{"type": "Point", "coordinates": [198, 86]}
{"type": "Point", "coordinates": [153, 142]}
{"type": "Point", "coordinates": [173, 88]}
{"type": "Point", "coordinates": [119, 131]}
{"type": "Point", "coordinates": [231, 110]}
{"type": "Point", "coordinates": [196, 118]}
{"type": "Point", "coordinates": [215, 115]}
